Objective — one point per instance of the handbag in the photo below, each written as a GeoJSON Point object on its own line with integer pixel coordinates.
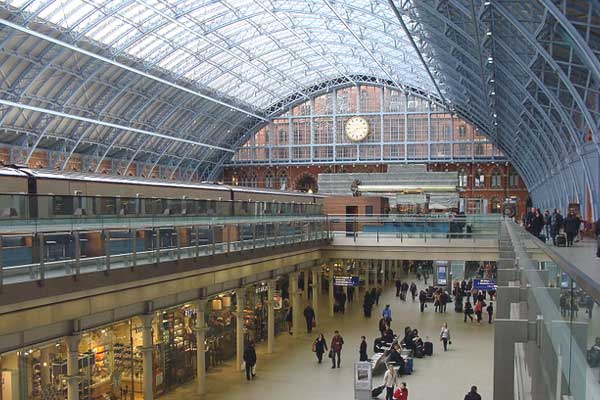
{"type": "Point", "coordinates": [330, 355]}
{"type": "Point", "coordinates": [314, 347]}
{"type": "Point", "coordinates": [314, 323]}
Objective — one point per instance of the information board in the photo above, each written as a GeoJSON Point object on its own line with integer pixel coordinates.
{"type": "Point", "coordinates": [346, 281]}
{"type": "Point", "coordinates": [363, 376]}
{"type": "Point", "coordinates": [485, 284]}
{"type": "Point", "coordinates": [442, 272]}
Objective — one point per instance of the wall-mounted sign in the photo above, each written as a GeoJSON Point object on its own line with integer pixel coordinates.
{"type": "Point", "coordinates": [485, 284]}
{"type": "Point", "coordinates": [277, 300]}
{"type": "Point", "coordinates": [442, 272]}
{"type": "Point", "coordinates": [346, 281]}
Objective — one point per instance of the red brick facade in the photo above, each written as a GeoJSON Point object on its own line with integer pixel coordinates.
{"type": "Point", "coordinates": [500, 180]}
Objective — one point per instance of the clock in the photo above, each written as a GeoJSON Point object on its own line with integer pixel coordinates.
{"type": "Point", "coordinates": [357, 129]}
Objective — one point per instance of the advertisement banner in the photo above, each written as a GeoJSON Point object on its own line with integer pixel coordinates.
{"type": "Point", "coordinates": [346, 281]}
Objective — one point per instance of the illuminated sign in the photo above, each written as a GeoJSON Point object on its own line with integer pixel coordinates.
{"type": "Point", "coordinates": [485, 284]}
{"type": "Point", "coordinates": [346, 281]}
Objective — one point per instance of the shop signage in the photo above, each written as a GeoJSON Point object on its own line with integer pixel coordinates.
{"type": "Point", "coordinates": [346, 281]}
{"type": "Point", "coordinates": [277, 300]}
{"type": "Point", "coordinates": [262, 288]}
{"type": "Point", "coordinates": [485, 284]}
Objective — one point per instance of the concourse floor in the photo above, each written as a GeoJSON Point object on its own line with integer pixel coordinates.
{"type": "Point", "coordinates": [583, 256]}
{"type": "Point", "coordinates": [292, 372]}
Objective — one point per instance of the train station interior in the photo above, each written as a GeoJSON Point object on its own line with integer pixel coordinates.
{"type": "Point", "coordinates": [324, 199]}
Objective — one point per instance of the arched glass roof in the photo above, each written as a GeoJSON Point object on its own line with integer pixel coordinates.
{"type": "Point", "coordinates": [177, 86]}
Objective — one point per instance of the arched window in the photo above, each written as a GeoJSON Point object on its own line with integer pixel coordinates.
{"type": "Point", "coordinates": [513, 179]}
{"type": "Point", "coordinates": [479, 179]}
{"type": "Point", "coordinates": [496, 205]}
{"type": "Point", "coordinates": [496, 180]}
{"type": "Point", "coordinates": [283, 180]}
{"type": "Point", "coordinates": [269, 179]}
{"type": "Point", "coordinates": [462, 178]}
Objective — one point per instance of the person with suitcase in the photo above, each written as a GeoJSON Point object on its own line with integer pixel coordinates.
{"type": "Point", "coordinates": [445, 336]}
{"type": "Point", "coordinates": [556, 221]}
{"type": "Point", "coordinates": [389, 380]}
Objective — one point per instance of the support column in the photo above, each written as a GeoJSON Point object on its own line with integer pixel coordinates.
{"type": "Point", "coordinates": [316, 292]}
{"type": "Point", "coordinates": [73, 366]}
{"type": "Point", "coordinates": [271, 317]}
{"type": "Point", "coordinates": [305, 292]}
{"type": "Point", "coordinates": [239, 328]}
{"type": "Point", "coordinates": [199, 329]}
{"type": "Point", "coordinates": [148, 376]}
{"type": "Point", "coordinates": [296, 297]}
{"type": "Point", "coordinates": [331, 298]}
{"type": "Point", "coordinates": [368, 277]}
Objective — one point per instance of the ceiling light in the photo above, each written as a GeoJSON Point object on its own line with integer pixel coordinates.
{"type": "Point", "coordinates": [488, 33]}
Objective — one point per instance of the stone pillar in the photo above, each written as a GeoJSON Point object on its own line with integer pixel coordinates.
{"type": "Point", "coordinates": [331, 298]}
{"type": "Point", "coordinates": [271, 317]}
{"type": "Point", "coordinates": [305, 292]}
{"type": "Point", "coordinates": [296, 297]}
{"type": "Point", "coordinates": [367, 276]}
{"type": "Point", "coordinates": [199, 329]}
{"type": "Point", "coordinates": [316, 292]}
{"type": "Point", "coordinates": [147, 348]}
{"type": "Point", "coordinates": [73, 366]}
{"type": "Point", "coordinates": [239, 328]}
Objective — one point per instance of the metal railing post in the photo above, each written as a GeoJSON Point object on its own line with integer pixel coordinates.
{"type": "Point", "coordinates": [228, 238]}
{"type": "Point", "coordinates": [265, 235]}
{"type": "Point", "coordinates": [1, 266]}
{"type": "Point", "coordinates": [196, 230]}
{"type": "Point", "coordinates": [213, 235]}
{"type": "Point", "coordinates": [133, 233]}
{"type": "Point", "coordinates": [178, 242]}
{"type": "Point", "coordinates": [157, 246]}
{"type": "Point", "coordinates": [77, 243]}
{"type": "Point", "coordinates": [253, 236]}
{"type": "Point", "coordinates": [42, 251]}
{"type": "Point", "coordinates": [106, 239]}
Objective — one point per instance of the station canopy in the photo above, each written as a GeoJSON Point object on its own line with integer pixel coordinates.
{"type": "Point", "coordinates": [181, 85]}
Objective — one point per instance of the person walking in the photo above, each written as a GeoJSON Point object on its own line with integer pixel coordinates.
{"type": "Point", "coordinates": [422, 300]}
{"type": "Point", "coordinates": [597, 230]}
{"type": "Point", "coordinates": [547, 224]}
{"type": "Point", "coordinates": [572, 223]}
{"type": "Point", "coordinates": [389, 380]}
{"type": "Point", "coordinates": [556, 222]}
{"type": "Point", "coordinates": [320, 347]}
{"type": "Point", "coordinates": [362, 351]}
{"type": "Point", "coordinates": [401, 393]}
{"type": "Point", "coordinates": [398, 287]}
{"type": "Point", "coordinates": [479, 311]}
{"type": "Point", "coordinates": [250, 361]}
{"type": "Point", "coordinates": [473, 395]}
{"type": "Point", "coordinates": [413, 290]}
{"type": "Point", "coordinates": [468, 311]}
{"type": "Point", "coordinates": [289, 319]}
{"type": "Point", "coordinates": [445, 336]}
{"type": "Point", "coordinates": [387, 314]}
{"type": "Point", "coordinates": [383, 326]}
{"type": "Point", "coordinates": [309, 316]}
{"type": "Point", "coordinates": [336, 349]}
{"type": "Point", "coordinates": [490, 311]}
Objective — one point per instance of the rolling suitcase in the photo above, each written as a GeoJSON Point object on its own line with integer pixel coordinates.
{"type": "Point", "coordinates": [408, 366]}
{"type": "Point", "coordinates": [561, 240]}
{"type": "Point", "coordinates": [377, 391]}
{"type": "Point", "coordinates": [428, 349]}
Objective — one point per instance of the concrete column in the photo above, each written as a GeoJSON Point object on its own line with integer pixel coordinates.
{"type": "Point", "coordinates": [46, 366]}
{"type": "Point", "coordinates": [73, 366]}
{"type": "Point", "coordinates": [147, 347]}
{"type": "Point", "coordinates": [199, 329]}
{"type": "Point", "coordinates": [368, 276]}
{"type": "Point", "coordinates": [296, 297]}
{"type": "Point", "coordinates": [239, 328]}
{"type": "Point", "coordinates": [271, 317]}
{"type": "Point", "coordinates": [305, 292]}
{"type": "Point", "coordinates": [331, 298]}
{"type": "Point", "coordinates": [316, 292]}
{"type": "Point", "coordinates": [507, 333]}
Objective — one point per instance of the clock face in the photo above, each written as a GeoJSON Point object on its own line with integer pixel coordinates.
{"type": "Point", "coordinates": [357, 129]}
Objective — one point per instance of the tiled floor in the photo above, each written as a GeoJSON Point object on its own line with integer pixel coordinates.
{"type": "Point", "coordinates": [292, 371]}
{"type": "Point", "coordinates": [583, 256]}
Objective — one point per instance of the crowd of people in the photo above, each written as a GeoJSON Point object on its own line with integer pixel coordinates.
{"type": "Point", "coordinates": [564, 231]}
{"type": "Point", "coordinates": [399, 350]}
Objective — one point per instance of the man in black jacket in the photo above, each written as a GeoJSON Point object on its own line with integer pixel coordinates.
{"type": "Point", "coordinates": [250, 360]}
{"type": "Point", "coordinates": [309, 315]}
{"type": "Point", "coordinates": [473, 395]}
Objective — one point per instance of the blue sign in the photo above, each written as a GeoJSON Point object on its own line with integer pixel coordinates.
{"type": "Point", "coordinates": [346, 281]}
{"type": "Point", "coordinates": [442, 272]}
{"type": "Point", "coordinates": [485, 284]}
